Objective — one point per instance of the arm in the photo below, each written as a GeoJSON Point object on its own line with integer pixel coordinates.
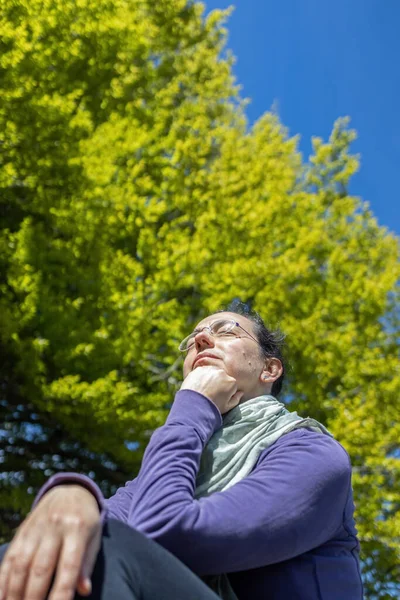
{"type": "Point", "coordinates": [225, 394]}
{"type": "Point", "coordinates": [116, 507]}
{"type": "Point", "coordinates": [293, 500]}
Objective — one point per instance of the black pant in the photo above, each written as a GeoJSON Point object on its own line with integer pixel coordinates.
{"type": "Point", "coordinates": [132, 567]}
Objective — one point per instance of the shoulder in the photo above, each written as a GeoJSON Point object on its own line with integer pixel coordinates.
{"type": "Point", "coordinates": [309, 450]}
{"type": "Point", "coordinates": [307, 470]}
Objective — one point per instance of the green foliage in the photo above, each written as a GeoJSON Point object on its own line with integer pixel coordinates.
{"type": "Point", "coordinates": [135, 200]}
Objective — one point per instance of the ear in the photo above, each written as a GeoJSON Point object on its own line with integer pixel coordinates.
{"type": "Point", "coordinates": [272, 370]}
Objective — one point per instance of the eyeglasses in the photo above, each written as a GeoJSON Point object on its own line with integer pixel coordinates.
{"type": "Point", "coordinates": [220, 328]}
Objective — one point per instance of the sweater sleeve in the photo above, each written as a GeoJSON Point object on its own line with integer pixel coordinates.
{"type": "Point", "coordinates": [292, 502]}
{"type": "Point", "coordinates": [116, 507]}
{"type": "Point", "coordinates": [69, 479]}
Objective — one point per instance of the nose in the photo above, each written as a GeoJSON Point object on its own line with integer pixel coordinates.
{"type": "Point", "coordinates": [204, 339]}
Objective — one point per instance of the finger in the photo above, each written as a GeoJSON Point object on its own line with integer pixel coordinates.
{"type": "Point", "coordinates": [84, 586]}
{"type": "Point", "coordinates": [84, 583]}
{"type": "Point", "coordinates": [19, 560]}
{"type": "Point", "coordinates": [5, 572]}
{"type": "Point", "coordinates": [69, 568]}
{"type": "Point", "coordinates": [43, 567]}
{"type": "Point", "coordinates": [236, 398]}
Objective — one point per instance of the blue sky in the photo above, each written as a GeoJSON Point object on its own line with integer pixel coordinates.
{"type": "Point", "coordinates": [318, 60]}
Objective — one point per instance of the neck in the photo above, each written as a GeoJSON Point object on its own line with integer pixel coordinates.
{"type": "Point", "coordinates": [264, 390]}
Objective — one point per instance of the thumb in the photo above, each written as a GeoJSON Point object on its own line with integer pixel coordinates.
{"type": "Point", "coordinates": [236, 398]}
{"type": "Point", "coordinates": [84, 586]}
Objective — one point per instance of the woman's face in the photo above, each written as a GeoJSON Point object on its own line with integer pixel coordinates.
{"type": "Point", "coordinates": [238, 354]}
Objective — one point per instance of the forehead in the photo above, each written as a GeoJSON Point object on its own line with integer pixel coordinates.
{"type": "Point", "coordinates": [246, 323]}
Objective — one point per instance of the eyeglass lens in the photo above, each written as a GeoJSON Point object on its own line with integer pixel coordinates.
{"type": "Point", "coordinates": [218, 327]}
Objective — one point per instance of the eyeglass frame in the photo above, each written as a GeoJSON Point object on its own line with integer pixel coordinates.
{"type": "Point", "coordinates": [235, 323]}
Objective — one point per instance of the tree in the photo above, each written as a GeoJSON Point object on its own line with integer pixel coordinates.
{"type": "Point", "coordinates": [135, 199]}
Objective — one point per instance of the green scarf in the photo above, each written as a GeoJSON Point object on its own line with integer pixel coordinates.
{"type": "Point", "coordinates": [233, 451]}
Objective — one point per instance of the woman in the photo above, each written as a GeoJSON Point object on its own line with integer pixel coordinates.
{"type": "Point", "coordinates": [234, 492]}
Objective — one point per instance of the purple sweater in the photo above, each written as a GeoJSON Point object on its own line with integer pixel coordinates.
{"type": "Point", "coordinates": [284, 531]}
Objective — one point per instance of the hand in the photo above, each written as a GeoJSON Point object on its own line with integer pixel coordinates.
{"type": "Point", "coordinates": [60, 537]}
{"type": "Point", "coordinates": [215, 384]}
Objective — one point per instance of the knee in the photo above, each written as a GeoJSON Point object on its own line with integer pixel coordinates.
{"type": "Point", "coordinates": [121, 534]}
{"type": "Point", "coordinates": [117, 573]}
{"type": "Point", "coordinates": [128, 545]}
{"type": "Point", "coordinates": [122, 541]}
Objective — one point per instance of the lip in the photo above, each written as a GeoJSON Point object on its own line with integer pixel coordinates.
{"type": "Point", "coordinates": [204, 355]}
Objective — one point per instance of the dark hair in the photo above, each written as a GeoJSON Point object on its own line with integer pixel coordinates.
{"type": "Point", "coordinates": [271, 342]}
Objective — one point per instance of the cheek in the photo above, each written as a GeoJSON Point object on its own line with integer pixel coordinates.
{"type": "Point", "coordinates": [244, 364]}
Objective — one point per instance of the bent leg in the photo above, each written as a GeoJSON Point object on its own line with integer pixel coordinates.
{"type": "Point", "coordinates": [133, 567]}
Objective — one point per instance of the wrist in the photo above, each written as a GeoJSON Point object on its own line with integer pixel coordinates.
{"type": "Point", "coordinates": [78, 491]}
{"type": "Point", "coordinates": [62, 479]}
{"type": "Point", "coordinates": [192, 409]}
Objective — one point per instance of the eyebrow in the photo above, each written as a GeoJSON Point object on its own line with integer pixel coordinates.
{"type": "Point", "coordinates": [197, 329]}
